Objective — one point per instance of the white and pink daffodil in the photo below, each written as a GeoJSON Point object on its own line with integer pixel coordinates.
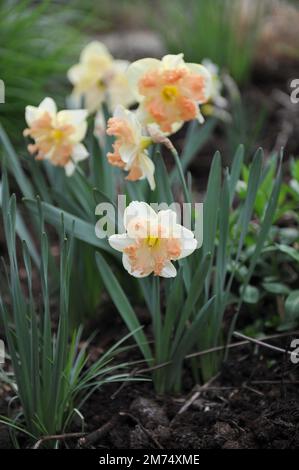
{"type": "Point", "coordinates": [130, 149]}
{"type": "Point", "coordinates": [99, 78]}
{"type": "Point", "coordinates": [169, 90]}
{"type": "Point", "coordinates": [152, 241]}
{"type": "Point", "coordinates": [57, 135]}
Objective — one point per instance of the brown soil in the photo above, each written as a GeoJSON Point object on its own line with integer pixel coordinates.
{"type": "Point", "coordinates": [252, 404]}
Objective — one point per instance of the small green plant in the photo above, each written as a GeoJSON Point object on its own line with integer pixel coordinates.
{"type": "Point", "coordinates": [276, 274]}
{"type": "Point", "coordinates": [51, 374]}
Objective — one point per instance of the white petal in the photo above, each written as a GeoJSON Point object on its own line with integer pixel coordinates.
{"type": "Point", "coordinates": [128, 154]}
{"type": "Point", "coordinates": [146, 120]}
{"type": "Point", "coordinates": [143, 116]}
{"type": "Point", "coordinates": [139, 210]}
{"type": "Point", "coordinates": [200, 117]}
{"type": "Point", "coordinates": [31, 114]}
{"type": "Point", "coordinates": [203, 72]}
{"type": "Point", "coordinates": [49, 105]}
{"type": "Point", "coordinates": [128, 267]}
{"type": "Point", "coordinates": [79, 153]}
{"type": "Point", "coordinates": [137, 69]}
{"type": "Point", "coordinates": [69, 168]}
{"type": "Point", "coordinates": [121, 65]}
{"type": "Point", "coordinates": [75, 116]}
{"type": "Point", "coordinates": [148, 169]}
{"type": "Point", "coordinates": [120, 112]}
{"type": "Point", "coordinates": [94, 48]}
{"type": "Point", "coordinates": [188, 242]}
{"type": "Point", "coordinates": [173, 61]}
{"type": "Point", "coordinates": [93, 99]}
{"type": "Point", "coordinates": [100, 128]}
{"type": "Point", "coordinates": [210, 66]}
{"type": "Point", "coordinates": [77, 119]}
{"type": "Point", "coordinates": [188, 247]}
{"type": "Point", "coordinates": [175, 127]}
{"type": "Point", "coordinates": [120, 242]}
{"type": "Point", "coordinates": [35, 112]}
{"type": "Point", "coordinates": [169, 270]}
{"type": "Point", "coordinates": [75, 73]}
{"type": "Point", "coordinates": [168, 217]}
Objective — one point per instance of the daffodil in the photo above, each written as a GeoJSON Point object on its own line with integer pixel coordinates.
{"type": "Point", "coordinates": [98, 78]}
{"type": "Point", "coordinates": [130, 149]}
{"type": "Point", "coordinates": [217, 104]}
{"type": "Point", "coordinates": [152, 241]}
{"type": "Point", "coordinates": [169, 90]}
{"type": "Point", "coordinates": [57, 135]}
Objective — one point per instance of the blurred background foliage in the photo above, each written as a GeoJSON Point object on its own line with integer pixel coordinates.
{"type": "Point", "coordinates": [39, 40]}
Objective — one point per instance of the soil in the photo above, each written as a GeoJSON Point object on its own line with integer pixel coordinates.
{"type": "Point", "coordinates": [253, 403]}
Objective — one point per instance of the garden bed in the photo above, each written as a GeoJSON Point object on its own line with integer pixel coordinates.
{"type": "Point", "coordinates": [128, 381]}
{"type": "Point", "coordinates": [252, 403]}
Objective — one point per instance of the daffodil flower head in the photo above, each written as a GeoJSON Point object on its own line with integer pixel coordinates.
{"type": "Point", "coordinates": [169, 90]}
{"type": "Point", "coordinates": [57, 135]}
{"type": "Point", "coordinates": [152, 241]}
{"type": "Point", "coordinates": [99, 78]}
{"type": "Point", "coordinates": [130, 149]}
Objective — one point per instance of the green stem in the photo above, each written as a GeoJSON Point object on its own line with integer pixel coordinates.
{"type": "Point", "coordinates": [157, 327]}
{"type": "Point", "coordinates": [157, 324]}
{"type": "Point", "coordinates": [181, 175]}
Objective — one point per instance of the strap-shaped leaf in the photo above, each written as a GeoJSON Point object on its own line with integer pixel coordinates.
{"type": "Point", "coordinates": [236, 168]}
{"type": "Point", "coordinates": [123, 305]}
{"type": "Point", "coordinates": [81, 229]}
{"type": "Point", "coordinates": [13, 163]}
{"type": "Point", "coordinates": [197, 136]}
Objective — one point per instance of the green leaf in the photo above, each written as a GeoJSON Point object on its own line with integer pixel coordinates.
{"type": "Point", "coordinates": [190, 336]}
{"type": "Point", "coordinates": [276, 288]}
{"type": "Point", "coordinates": [23, 233]}
{"type": "Point", "coordinates": [196, 137]}
{"type": "Point", "coordinates": [13, 163]}
{"type": "Point", "coordinates": [265, 227]}
{"type": "Point", "coordinates": [211, 205]}
{"type": "Point", "coordinates": [250, 294]}
{"type": "Point", "coordinates": [236, 170]}
{"type": "Point", "coordinates": [124, 307]}
{"type": "Point", "coordinates": [288, 250]}
{"type": "Point", "coordinates": [193, 295]}
{"type": "Point", "coordinates": [292, 306]}
{"type": "Point", "coordinates": [211, 211]}
{"type": "Point", "coordinates": [163, 190]}
{"type": "Point", "coordinates": [253, 185]}
{"type": "Point", "coordinates": [82, 230]}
